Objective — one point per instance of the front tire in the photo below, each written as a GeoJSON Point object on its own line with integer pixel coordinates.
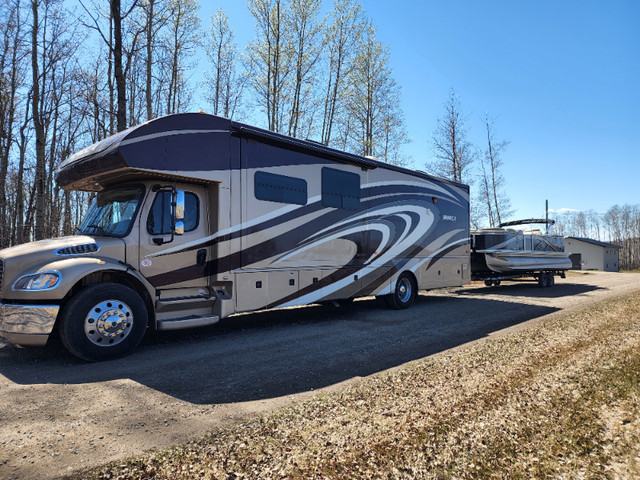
{"type": "Point", "coordinates": [404, 294]}
{"type": "Point", "coordinates": [103, 321]}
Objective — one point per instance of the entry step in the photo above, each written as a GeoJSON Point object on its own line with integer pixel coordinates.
{"type": "Point", "coordinates": [183, 303]}
{"type": "Point", "coordinates": [188, 322]}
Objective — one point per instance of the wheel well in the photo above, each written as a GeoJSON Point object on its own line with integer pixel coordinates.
{"type": "Point", "coordinates": [113, 276]}
{"type": "Point", "coordinates": [412, 276]}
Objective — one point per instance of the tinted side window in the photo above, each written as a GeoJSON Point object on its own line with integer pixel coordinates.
{"type": "Point", "coordinates": [159, 220]}
{"type": "Point", "coordinates": [340, 189]}
{"type": "Point", "coordinates": [280, 188]}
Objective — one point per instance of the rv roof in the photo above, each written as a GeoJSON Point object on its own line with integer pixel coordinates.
{"type": "Point", "coordinates": [176, 145]}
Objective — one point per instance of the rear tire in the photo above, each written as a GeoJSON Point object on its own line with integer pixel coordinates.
{"type": "Point", "coordinates": [103, 321]}
{"type": "Point", "coordinates": [404, 294]}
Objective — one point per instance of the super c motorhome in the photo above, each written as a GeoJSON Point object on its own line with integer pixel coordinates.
{"type": "Point", "coordinates": [197, 217]}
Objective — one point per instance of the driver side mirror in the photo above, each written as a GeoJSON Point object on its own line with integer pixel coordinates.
{"type": "Point", "coordinates": [179, 211]}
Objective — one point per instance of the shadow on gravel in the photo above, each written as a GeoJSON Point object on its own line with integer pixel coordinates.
{"type": "Point", "coordinates": [529, 288]}
{"type": "Point", "coordinates": [283, 352]}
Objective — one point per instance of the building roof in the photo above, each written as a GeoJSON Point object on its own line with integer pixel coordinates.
{"type": "Point", "coordinates": [594, 242]}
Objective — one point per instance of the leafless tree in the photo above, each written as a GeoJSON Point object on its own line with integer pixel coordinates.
{"type": "Point", "coordinates": [378, 125]}
{"type": "Point", "coordinates": [19, 226]}
{"type": "Point", "coordinates": [623, 225]}
{"type": "Point", "coordinates": [59, 93]}
{"type": "Point", "coordinates": [154, 16]}
{"type": "Point", "coordinates": [270, 59]}
{"type": "Point", "coordinates": [394, 134]}
{"type": "Point", "coordinates": [484, 195]}
{"type": "Point", "coordinates": [179, 44]}
{"type": "Point", "coordinates": [121, 36]}
{"type": "Point", "coordinates": [59, 113]}
{"type": "Point", "coordinates": [38, 126]}
{"type": "Point", "coordinates": [594, 220]}
{"type": "Point", "coordinates": [13, 52]}
{"type": "Point", "coordinates": [454, 153]}
{"type": "Point", "coordinates": [306, 46]}
{"type": "Point", "coordinates": [121, 88]}
{"type": "Point", "coordinates": [224, 86]}
{"type": "Point", "coordinates": [491, 191]}
{"type": "Point", "coordinates": [341, 38]}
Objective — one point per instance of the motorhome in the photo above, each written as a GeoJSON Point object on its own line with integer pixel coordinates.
{"type": "Point", "coordinates": [196, 217]}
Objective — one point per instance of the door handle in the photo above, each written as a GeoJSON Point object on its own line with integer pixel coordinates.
{"type": "Point", "coordinates": [201, 257]}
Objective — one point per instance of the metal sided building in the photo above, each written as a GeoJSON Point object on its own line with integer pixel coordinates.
{"type": "Point", "coordinates": [595, 255]}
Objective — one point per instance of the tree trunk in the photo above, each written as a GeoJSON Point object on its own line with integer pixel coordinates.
{"type": "Point", "coordinates": [121, 89]}
{"type": "Point", "coordinates": [38, 128]}
{"type": "Point", "coordinates": [9, 110]}
{"type": "Point", "coordinates": [20, 223]}
{"type": "Point", "coordinates": [149, 33]}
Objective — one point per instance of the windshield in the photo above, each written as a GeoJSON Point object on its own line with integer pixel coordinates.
{"type": "Point", "coordinates": [112, 212]}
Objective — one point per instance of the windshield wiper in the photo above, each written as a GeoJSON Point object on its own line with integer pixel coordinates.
{"type": "Point", "coordinates": [97, 228]}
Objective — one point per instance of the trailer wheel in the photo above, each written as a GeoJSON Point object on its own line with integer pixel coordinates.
{"type": "Point", "coordinates": [552, 280]}
{"type": "Point", "coordinates": [103, 321]}
{"type": "Point", "coordinates": [496, 283]}
{"type": "Point", "coordinates": [488, 283]}
{"type": "Point", "coordinates": [404, 294]}
{"type": "Point", "coordinates": [543, 280]}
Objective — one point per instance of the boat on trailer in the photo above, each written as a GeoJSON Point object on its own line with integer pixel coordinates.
{"type": "Point", "coordinates": [506, 253]}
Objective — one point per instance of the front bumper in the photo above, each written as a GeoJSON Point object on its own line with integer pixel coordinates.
{"type": "Point", "coordinates": [27, 324]}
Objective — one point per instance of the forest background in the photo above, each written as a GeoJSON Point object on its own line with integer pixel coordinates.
{"type": "Point", "coordinates": [73, 73]}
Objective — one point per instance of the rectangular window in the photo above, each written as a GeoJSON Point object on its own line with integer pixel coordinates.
{"type": "Point", "coordinates": [280, 188]}
{"type": "Point", "coordinates": [340, 189]}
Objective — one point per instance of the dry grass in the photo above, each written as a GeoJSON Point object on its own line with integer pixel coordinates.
{"type": "Point", "coordinates": [556, 400]}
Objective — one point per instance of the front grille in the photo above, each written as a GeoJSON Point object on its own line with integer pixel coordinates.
{"type": "Point", "coordinates": [1, 271]}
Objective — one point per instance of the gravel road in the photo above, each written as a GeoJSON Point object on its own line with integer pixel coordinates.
{"type": "Point", "coordinates": [59, 415]}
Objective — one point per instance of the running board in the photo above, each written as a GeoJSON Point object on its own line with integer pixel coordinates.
{"type": "Point", "coordinates": [187, 322]}
{"type": "Point", "coordinates": [184, 303]}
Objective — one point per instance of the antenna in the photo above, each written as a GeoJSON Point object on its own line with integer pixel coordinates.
{"type": "Point", "coordinates": [546, 210]}
{"type": "Point", "coordinates": [546, 215]}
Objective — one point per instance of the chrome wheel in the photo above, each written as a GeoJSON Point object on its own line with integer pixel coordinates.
{"type": "Point", "coordinates": [103, 321]}
{"type": "Point", "coordinates": [108, 323]}
{"type": "Point", "coordinates": [404, 289]}
{"type": "Point", "coordinates": [404, 293]}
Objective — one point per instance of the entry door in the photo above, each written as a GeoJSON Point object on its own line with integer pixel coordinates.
{"type": "Point", "coordinates": [180, 263]}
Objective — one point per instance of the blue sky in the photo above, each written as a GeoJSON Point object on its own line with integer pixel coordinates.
{"type": "Point", "coordinates": [560, 77]}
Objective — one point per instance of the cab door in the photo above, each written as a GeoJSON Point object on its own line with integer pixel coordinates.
{"type": "Point", "coordinates": [176, 265]}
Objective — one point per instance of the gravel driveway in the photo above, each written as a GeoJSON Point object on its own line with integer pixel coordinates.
{"type": "Point", "coordinates": [59, 415]}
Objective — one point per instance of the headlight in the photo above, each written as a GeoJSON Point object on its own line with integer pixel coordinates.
{"type": "Point", "coordinates": [38, 281]}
